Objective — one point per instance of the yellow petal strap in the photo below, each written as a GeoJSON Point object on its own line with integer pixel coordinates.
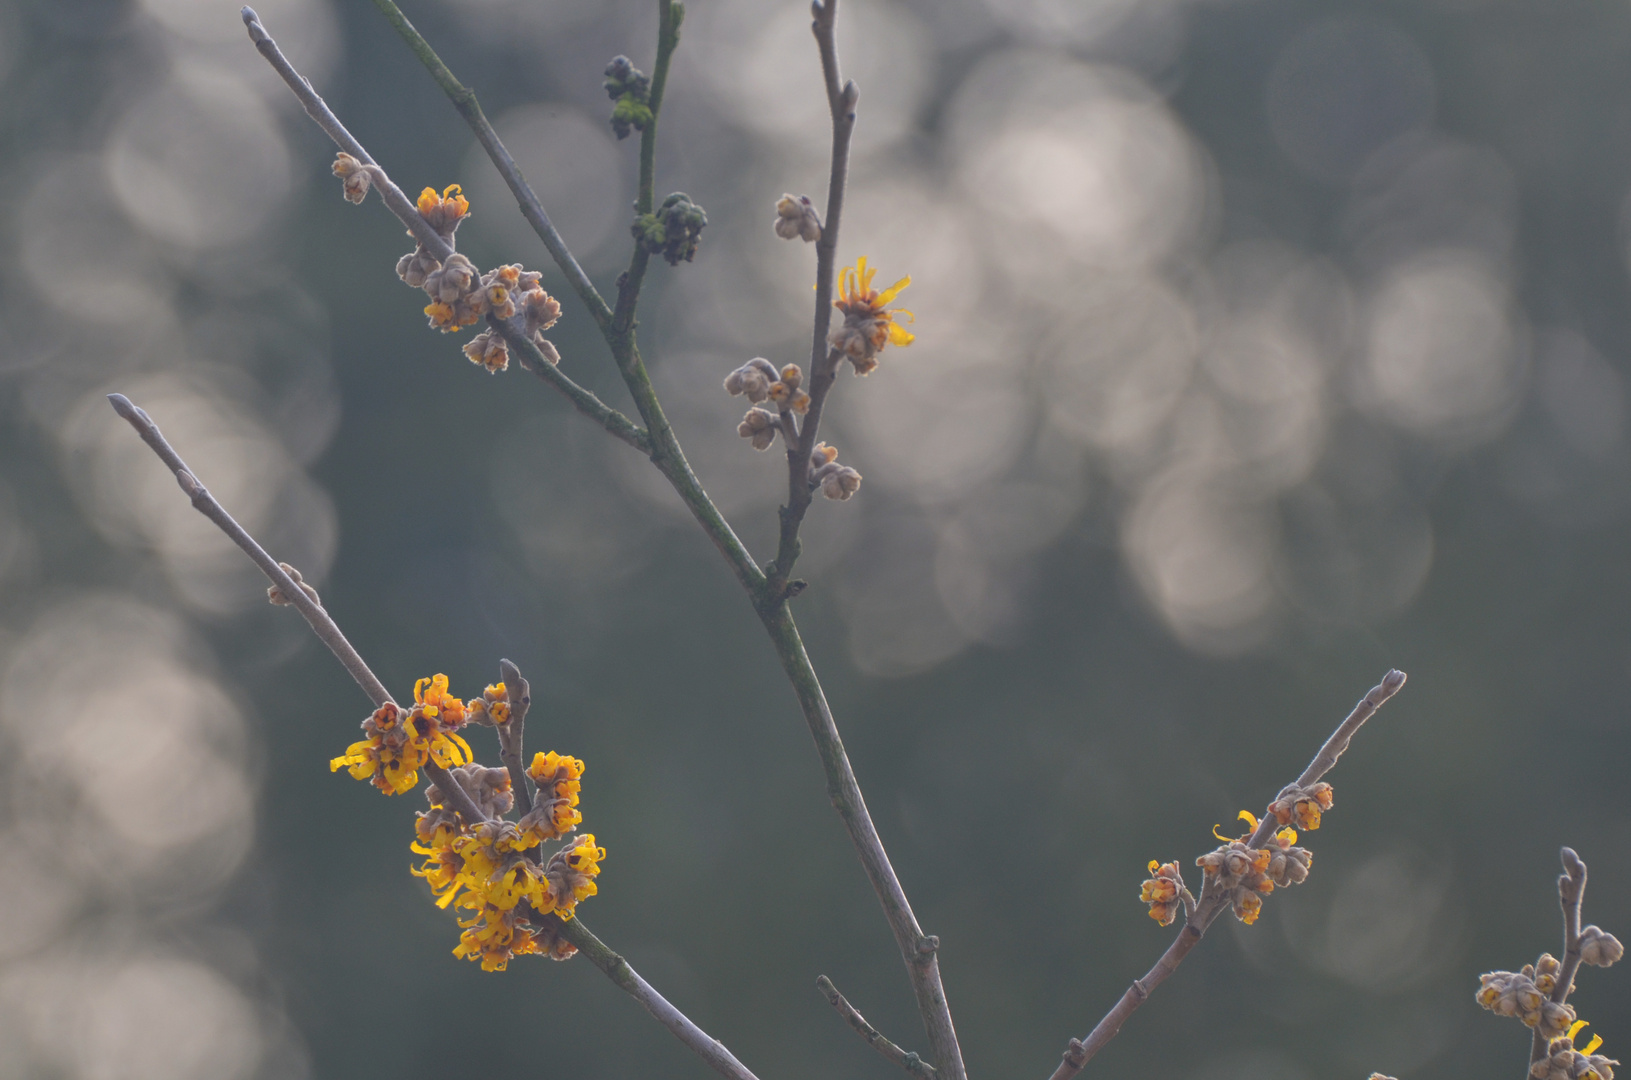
{"type": "Point", "coordinates": [1219, 835]}
{"type": "Point", "coordinates": [1154, 866]}
{"type": "Point", "coordinates": [1591, 1047]}
{"type": "Point", "coordinates": [1248, 817]}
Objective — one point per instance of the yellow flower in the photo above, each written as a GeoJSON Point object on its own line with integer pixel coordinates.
{"type": "Point", "coordinates": [444, 212]}
{"type": "Point", "coordinates": [869, 323]}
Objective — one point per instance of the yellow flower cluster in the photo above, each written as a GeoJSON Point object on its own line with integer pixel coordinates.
{"type": "Point", "coordinates": [869, 323]}
{"type": "Point", "coordinates": [1240, 872]}
{"type": "Point", "coordinates": [554, 806]}
{"type": "Point", "coordinates": [398, 745]}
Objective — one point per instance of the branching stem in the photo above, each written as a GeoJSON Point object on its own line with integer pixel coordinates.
{"type": "Point", "coordinates": [1212, 902]}
{"type": "Point", "coordinates": [704, 1045]}
{"type": "Point", "coordinates": [464, 99]}
{"type": "Point", "coordinates": [852, 1016]}
{"type": "Point", "coordinates": [1571, 892]}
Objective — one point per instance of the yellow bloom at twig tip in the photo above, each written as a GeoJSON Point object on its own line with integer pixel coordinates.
{"type": "Point", "coordinates": [1163, 891]}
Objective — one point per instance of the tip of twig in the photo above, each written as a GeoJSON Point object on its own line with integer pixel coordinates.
{"type": "Point", "coordinates": [1572, 862]}
{"type": "Point", "coordinates": [249, 16]}
{"type": "Point", "coordinates": [123, 406]}
{"type": "Point", "coordinates": [1393, 680]}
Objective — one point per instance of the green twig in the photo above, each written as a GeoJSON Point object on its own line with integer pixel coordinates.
{"type": "Point", "coordinates": [464, 99]}
{"type": "Point", "coordinates": [875, 1038]}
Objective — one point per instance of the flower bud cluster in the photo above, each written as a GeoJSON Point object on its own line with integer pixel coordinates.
{"type": "Point", "coordinates": [796, 218]}
{"type": "Point", "coordinates": [869, 323]}
{"type": "Point", "coordinates": [835, 481]}
{"type": "Point", "coordinates": [1564, 1062]}
{"type": "Point", "coordinates": [630, 89]}
{"type": "Point", "coordinates": [1599, 948]}
{"type": "Point", "coordinates": [492, 708]}
{"type": "Point", "coordinates": [1302, 805]}
{"type": "Point", "coordinates": [399, 744]}
{"type": "Point", "coordinates": [1241, 873]}
{"type": "Point", "coordinates": [354, 176]}
{"type": "Point", "coordinates": [460, 294]}
{"type": "Point", "coordinates": [777, 398]}
{"type": "Point", "coordinates": [1164, 891]}
{"type": "Point", "coordinates": [674, 230]}
{"type": "Point", "coordinates": [1525, 995]}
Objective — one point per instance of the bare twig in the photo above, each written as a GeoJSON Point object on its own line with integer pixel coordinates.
{"type": "Point", "coordinates": [464, 99]}
{"type": "Point", "coordinates": [705, 1046]}
{"type": "Point", "coordinates": [904, 1058]}
{"type": "Point", "coordinates": [918, 950]}
{"type": "Point", "coordinates": [1212, 902]}
{"type": "Point", "coordinates": [321, 624]}
{"type": "Point", "coordinates": [841, 99]}
{"type": "Point", "coordinates": [405, 211]}
{"type": "Point", "coordinates": [709, 1048]}
{"type": "Point", "coordinates": [1571, 891]}
{"type": "Point", "coordinates": [510, 732]}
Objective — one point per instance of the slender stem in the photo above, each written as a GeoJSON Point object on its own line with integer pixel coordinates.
{"type": "Point", "coordinates": [531, 359]}
{"type": "Point", "coordinates": [917, 949]}
{"type": "Point", "coordinates": [841, 99]}
{"type": "Point", "coordinates": [534, 361]}
{"type": "Point", "coordinates": [464, 99]}
{"type": "Point", "coordinates": [1571, 891]}
{"type": "Point", "coordinates": [904, 1058]}
{"type": "Point", "coordinates": [321, 624]}
{"type": "Point", "coordinates": [510, 733]}
{"type": "Point", "coordinates": [1212, 902]}
{"type": "Point", "coordinates": [319, 111]}
{"type": "Point", "coordinates": [670, 14]}
{"type": "Point", "coordinates": [705, 1046]}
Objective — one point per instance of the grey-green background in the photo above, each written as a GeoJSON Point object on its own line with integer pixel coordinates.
{"type": "Point", "coordinates": [1262, 346]}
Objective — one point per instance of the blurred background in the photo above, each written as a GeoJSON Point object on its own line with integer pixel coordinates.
{"type": "Point", "coordinates": [1262, 346]}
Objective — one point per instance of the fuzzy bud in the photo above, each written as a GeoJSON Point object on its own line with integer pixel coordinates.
{"type": "Point", "coordinates": [673, 231]}
{"type": "Point", "coordinates": [759, 426]}
{"type": "Point", "coordinates": [355, 176]}
{"type": "Point", "coordinates": [414, 267]}
{"type": "Point", "coordinates": [275, 595]}
{"type": "Point", "coordinates": [1163, 891]}
{"type": "Point", "coordinates": [1288, 864]}
{"type": "Point", "coordinates": [1303, 805]}
{"type": "Point", "coordinates": [1599, 948]}
{"type": "Point", "coordinates": [837, 482]}
{"type": "Point", "coordinates": [796, 218]}
{"type": "Point", "coordinates": [488, 349]}
{"type": "Point", "coordinates": [630, 90]}
{"type": "Point", "coordinates": [752, 380]}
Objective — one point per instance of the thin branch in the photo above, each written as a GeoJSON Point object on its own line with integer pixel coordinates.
{"type": "Point", "coordinates": [824, 361]}
{"type": "Point", "coordinates": [708, 1048]}
{"type": "Point", "coordinates": [1212, 902]}
{"type": "Point", "coordinates": [918, 950]}
{"type": "Point", "coordinates": [510, 733]}
{"type": "Point", "coordinates": [705, 1046]}
{"type": "Point", "coordinates": [464, 100]}
{"type": "Point", "coordinates": [904, 1058]}
{"type": "Point", "coordinates": [321, 624]}
{"type": "Point", "coordinates": [1571, 891]}
{"type": "Point", "coordinates": [407, 213]}
{"type": "Point", "coordinates": [533, 360]}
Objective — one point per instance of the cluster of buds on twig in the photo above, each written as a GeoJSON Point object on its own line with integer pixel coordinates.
{"type": "Point", "coordinates": [673, 231]}
{"type": "Point", "coordinates": [796, 219]}
{"type": "Point", "coordinates": [1302, 805]}
{"type": "Point", "coordinates": [1237, 871]}
{"type": "Point", "coordinates": [1563, 1062]}
{"type": "Point", "coordinates": [460, 294]}
{"type": "Point", "coordinates": [630, 89]}
{"type": "Point", "coordinates": [489, 867]}
{"type": "Point", "coordinates": [779, 399]}
{"type": "Point", "coordinates": [1526, 995]}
